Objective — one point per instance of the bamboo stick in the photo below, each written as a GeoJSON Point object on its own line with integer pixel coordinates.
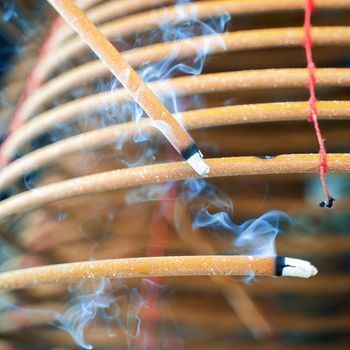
{"type": "Point", "coordinates": [138, 89]}
{"type": "Point", "coordinates": [156, 266]}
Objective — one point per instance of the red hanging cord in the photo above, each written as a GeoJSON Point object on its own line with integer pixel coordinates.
{"type": "Point", "coordinates": [309, 9]}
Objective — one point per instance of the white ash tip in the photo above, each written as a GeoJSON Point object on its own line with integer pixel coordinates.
{"type": "Point", "coordinates": [298, 268]}
{"type": "Point", "coordinates": [198, 164]}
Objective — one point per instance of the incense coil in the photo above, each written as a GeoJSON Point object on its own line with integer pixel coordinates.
{"type": "Point", "coordinates": [92, 142]}
{"type": "Point", "coordinates": [149, 21]}
{"type": "Point", "coordinates": [186, 48]}
{"type": "Point", "coordinates": [179, 86]}
{"type": "Point", "coordinates": [198, 119]}
{"type": "Point", "coordinates": [157, 174]}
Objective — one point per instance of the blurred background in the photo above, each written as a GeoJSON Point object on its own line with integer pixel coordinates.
{"type": "Point", "coordinates": [45, 68]}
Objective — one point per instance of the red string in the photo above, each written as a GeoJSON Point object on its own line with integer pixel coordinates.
{"type": "Point", "coordinates": [309, 9]}
{"type": "Point", "coordinates": [33, 82]}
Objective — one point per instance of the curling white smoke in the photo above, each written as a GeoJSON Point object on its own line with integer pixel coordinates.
{"type": "Point", "coordinates": [211, 207]}
{"type": "Point", "coordinates": [214, 211]}
{"type": "Point", "coordinates": [105, 304]}
{"type": "Point", "coordinates": [162, 71]}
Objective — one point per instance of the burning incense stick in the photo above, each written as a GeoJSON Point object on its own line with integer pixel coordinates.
{"type": "Point", "coordinates": [220, 116]}
{"type": "Point", "coordinates": [127, 76]}
{"type": "Point", "coordinates": [205, 265]}
{"type": "Point", "coordinates": [160, 173]}
{"type": "Point", "coordinates": [220, 82]}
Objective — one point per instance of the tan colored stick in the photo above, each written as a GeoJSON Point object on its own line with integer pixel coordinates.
{"type": "Point", "coordinates": [160, 173]}
{"type": "Point", "coordinates": [252, 79]}
{"type": "Point", "coordinates": [214, 44]}
{"type": "Point", "coordinates": [205, 265]}
{"type": "Point", "coordinates": [127, 76]}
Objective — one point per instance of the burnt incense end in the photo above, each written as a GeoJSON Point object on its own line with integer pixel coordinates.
{"type": "Point", "coordinates": [327, 204]}
{"type": "Point", "coordinates": [265, 157]}
{"type": "Point", "coordinates": [294, 267]}
{"type": "Point", "coordinates": [194, 158]}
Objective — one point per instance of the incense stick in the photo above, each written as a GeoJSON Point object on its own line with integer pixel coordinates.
{"type": "Point", "coordinates": [187, 48]}
{"type": "Point", "coordinates": [206, 265]}
{"type": "Point", "coordinates": [160, 173]}
{"type": "Point", "coordinates": [228, 81]}
{"type": "Point", "coordinates": [145, 21]}
{"type": "Point", "coordinates": [139, 90]}
{"type": "Point", "coordinates": [211, 117]}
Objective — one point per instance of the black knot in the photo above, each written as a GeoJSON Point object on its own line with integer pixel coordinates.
{"type": "Point", "coordinates": [328, 204]}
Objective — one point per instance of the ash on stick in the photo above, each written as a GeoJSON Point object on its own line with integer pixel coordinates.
{"type": "Point", "coordinates": [138, 89]}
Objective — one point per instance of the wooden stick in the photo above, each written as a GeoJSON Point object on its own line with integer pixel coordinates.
{"type": "Point", "coordinates": [139, 90]}
{"type": "Point", "coordinates": [251, 79]}
{"type": "Point", "coordinates": [160, 173]}
{"type": "Point", "coordinates": [187, 48]}
{"type": "Point", "coordinates": [205, 265]}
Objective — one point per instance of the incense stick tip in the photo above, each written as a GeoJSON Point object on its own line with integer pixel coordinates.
{"type": "Point", "coordinates": [197, 162]}
{"type": "Point", "coordinates": [298, 268]}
